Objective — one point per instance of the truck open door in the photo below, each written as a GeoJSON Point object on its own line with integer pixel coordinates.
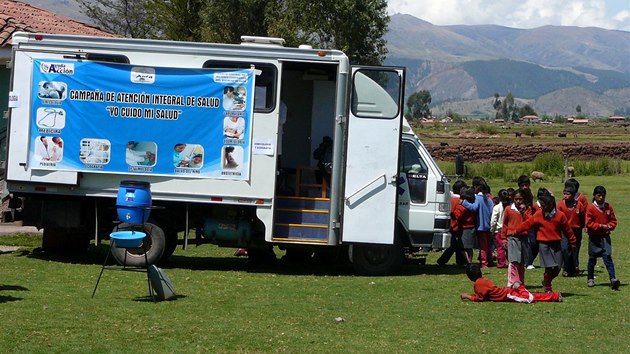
{"type": "Point", "coordinates": [374, 132]}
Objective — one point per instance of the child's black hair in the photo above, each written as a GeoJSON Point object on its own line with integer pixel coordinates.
{"type": "Point", "coordinates": [503, 196]}
{"type": "Point", "coordinates": [542, 191]}
{"type": "Point", "coordinates": [523, 179]}
{"type": "Point", "coordinates": [548, 200]}
{"type": "Point", "coordinates": [473, 271]}
{"type": "Point", "coordinates": [467, 194]}
{"type": "Point", "coordinates": [599, 190]}
{"type": "Point", "coordinates": [574, 182]}
{"type": "Point", "coordinates": [458, 185]}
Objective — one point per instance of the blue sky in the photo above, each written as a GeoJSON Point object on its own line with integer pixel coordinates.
{"type": "Point", "coordinates": [609, 14]}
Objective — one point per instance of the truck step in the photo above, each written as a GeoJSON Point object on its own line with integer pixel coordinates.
{"type": "Point", "coordinates": [305, 203]}
{"type": "Point", "coordinates": [302, 216]}
{"type": "Point", "coordinates": [300, 232]}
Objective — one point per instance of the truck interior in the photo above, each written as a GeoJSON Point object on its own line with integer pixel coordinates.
{"type": "Point", "coordinates": [308, 90]}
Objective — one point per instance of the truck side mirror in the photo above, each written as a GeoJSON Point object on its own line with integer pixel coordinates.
{"type": "Point", "coordinates": [460, 169]}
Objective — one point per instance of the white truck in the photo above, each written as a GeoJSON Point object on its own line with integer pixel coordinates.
{"type": "Point", "coordinates": [224, 134]}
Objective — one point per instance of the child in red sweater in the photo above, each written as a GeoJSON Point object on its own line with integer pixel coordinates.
{"type": "Point", "coordinates": [550, 224]}
{"type": "Point", "coordinates": [517, 245]}
{"type": "Point", "coordinates": [574, 211]}
{"type": "Point", "coordinates": [486, 290]}
{"type": "Point", "coordinates": [468, 220]}
{"type": "Point", "coordinates": [582, 202]}
{"type": "Point", "coordinates": [456, 247]}
{"type": "Point", "coordinates": [600, 221]}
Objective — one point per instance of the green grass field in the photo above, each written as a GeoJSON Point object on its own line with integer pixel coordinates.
{"type": "Point", "coordinates": [228, 306]}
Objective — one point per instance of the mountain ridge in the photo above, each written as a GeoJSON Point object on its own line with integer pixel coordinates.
{"type": "Point", "coordinates": [473, 62]}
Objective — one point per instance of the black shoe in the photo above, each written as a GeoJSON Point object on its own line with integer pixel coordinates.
{"type": "Point", "coordinates": [614, 284]}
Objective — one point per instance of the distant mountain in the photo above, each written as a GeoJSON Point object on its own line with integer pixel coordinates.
{"type": "Point", "coordinates": [468, 63]}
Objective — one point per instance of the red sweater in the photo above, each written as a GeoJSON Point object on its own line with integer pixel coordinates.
{"type": "Point", "coordinates": [486, 290]}
{"type": "Point", "coordinates": [574, 214]}
{"type": "Point", "coordinates": [456, 211]}
{"type": "Point", "coordinates": [582, 204]}
{"type": "Point", "coordinates": [548, 230]}
{"type": "Point", "coordinates": [466, 218]}
{"type": "Point", "coordinates": [596, 218]}
{"type": "Point", "coordinates": [513, 218]}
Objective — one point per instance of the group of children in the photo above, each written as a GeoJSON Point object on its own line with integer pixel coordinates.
{"type": "Point", "coordinates": [522, 229]}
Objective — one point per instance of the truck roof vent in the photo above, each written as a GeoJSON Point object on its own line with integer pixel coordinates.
{"type": "Point", "coordinates": [264, 41]}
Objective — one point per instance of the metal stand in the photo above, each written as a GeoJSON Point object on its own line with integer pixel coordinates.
{"type": "Point", "coordinates": [125, 268]}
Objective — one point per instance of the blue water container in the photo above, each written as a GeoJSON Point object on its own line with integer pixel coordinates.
{"type": "Point", "coordinates": [134, 202]}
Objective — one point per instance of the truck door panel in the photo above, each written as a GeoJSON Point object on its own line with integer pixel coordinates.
{"type": "Point", "coordinates": [374, 128]}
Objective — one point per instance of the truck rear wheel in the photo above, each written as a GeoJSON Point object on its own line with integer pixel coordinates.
{"type": "Point", "coordinates": [376, 260]}
{"type": "Point", "coordinates": [154, 244]}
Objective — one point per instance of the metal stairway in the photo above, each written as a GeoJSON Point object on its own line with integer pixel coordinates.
{"type": "Point", "coordinates": [302, 219]}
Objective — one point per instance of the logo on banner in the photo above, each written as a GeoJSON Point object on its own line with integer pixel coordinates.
{"type": "Point", "coordinates": [142, 75]}
{"type": "Point", "coordinates": [57, 68]}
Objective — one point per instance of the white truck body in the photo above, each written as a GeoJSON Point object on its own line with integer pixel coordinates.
{"type": "Point", "coordinates": [378, 202]}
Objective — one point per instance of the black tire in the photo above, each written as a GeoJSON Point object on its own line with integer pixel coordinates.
{"type": "Point", "coordinates": [376, 260]}
{"type": "Point", "coordinates": [154, 243]}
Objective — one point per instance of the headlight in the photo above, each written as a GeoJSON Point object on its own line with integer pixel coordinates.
{"type": "Point", "coordinates": [444, 207]}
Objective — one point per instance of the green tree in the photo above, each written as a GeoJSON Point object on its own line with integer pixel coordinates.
{"type": "Point", "coordinates": [179, 19]}
{"type": "Point", "coordinates": [509, 109]}
{"type": "Point", "coordinates": [220, 25]}
{"type": "Point", "coordinates": [418, 104]}
{"type": "Point", "coordinates": [578, 109]}
{"type": "Point", "coordinates": [526, 110]}
{"type": "Point", "coordinates": [123, 17]}
{"type": "Point", "coordinates": [497, 106]}
{"type": "Point", "coordinates": [356, 27]}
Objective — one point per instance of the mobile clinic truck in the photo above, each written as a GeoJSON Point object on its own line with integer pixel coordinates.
{"type": "Point", "coordinates": [204, 125]}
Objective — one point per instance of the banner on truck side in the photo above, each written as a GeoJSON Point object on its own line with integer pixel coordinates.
{"type": "Point", "coordinates": [120, 118]}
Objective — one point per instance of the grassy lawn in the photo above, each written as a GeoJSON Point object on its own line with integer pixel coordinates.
{"type": "Point", "coordinates": [226, 305]}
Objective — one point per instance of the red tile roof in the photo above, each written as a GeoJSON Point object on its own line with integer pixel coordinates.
{"type": "Point", "coordinates": [18, 16]}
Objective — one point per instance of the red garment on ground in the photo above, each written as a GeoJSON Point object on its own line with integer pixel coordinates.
{"type": "Point", "coordinates": [486, 290]}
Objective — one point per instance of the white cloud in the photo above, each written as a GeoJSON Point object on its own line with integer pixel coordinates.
{"type": "Point", "coordinates": [611, 14]}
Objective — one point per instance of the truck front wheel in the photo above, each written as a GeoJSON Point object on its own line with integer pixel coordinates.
{"type": "Point", "coordinates": [376, 260]}
{"type": "Point", "coordinates": [153, 244]}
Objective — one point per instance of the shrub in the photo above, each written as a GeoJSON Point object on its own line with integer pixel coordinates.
{"type": "Point", "coordinates": [487, 129]}
{"type": "Point", "coordinates": [602, 166]}
{"type": "Point", "coordinates": [549, 163]}
{"type": "Point", "coordinates": [531, 131]}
